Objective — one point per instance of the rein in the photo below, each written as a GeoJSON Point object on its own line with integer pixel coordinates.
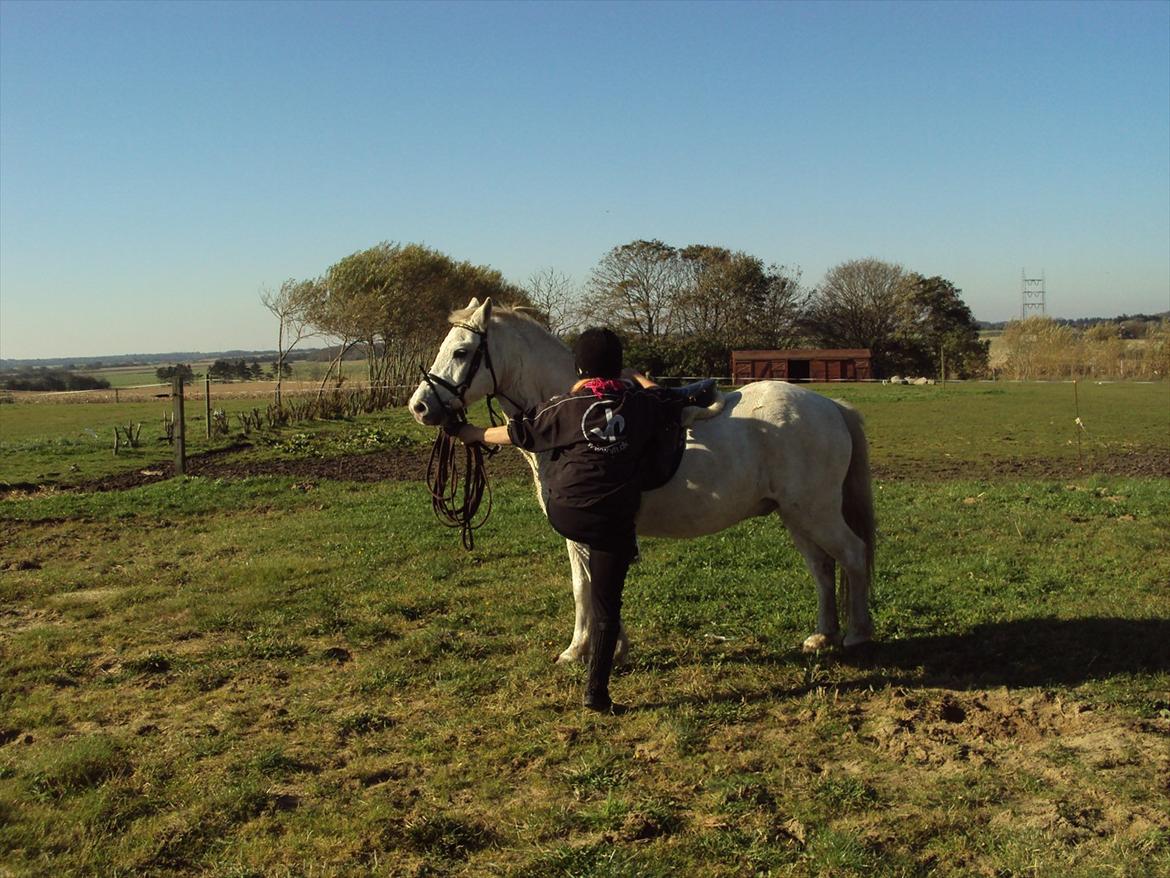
{"type": "Point", "coordinates": [456, 494]}
{"type": "Point", "coordinates": [444, 478]}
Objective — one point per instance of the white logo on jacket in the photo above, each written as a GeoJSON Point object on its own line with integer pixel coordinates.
{"type": "Point", "coordinates": [604, 436]}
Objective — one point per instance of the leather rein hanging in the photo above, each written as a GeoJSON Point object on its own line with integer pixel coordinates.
{"type": "Point", "coordinates": [453, 507]}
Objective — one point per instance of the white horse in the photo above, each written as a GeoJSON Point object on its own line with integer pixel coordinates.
{"type": "Point", "coordinates": [774, 447]}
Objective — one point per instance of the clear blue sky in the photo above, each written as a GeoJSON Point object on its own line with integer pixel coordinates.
{"type": "Point", "coordinates": [161, 162]}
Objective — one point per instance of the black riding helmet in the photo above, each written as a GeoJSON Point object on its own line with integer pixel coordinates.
{"type": "Point", "coordinates": [598, 354]}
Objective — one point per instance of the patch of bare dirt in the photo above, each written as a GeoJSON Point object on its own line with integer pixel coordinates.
{"type": "Point", "coordinates": [410, 464]}
{"type": "Point", "coordinates": [1033, 758]}
{"type": "Point", "coordinates": [939, 730]}
{"type": "Point", "coordinates": [15, 619]}
{"type": "Point", "coordinates": [1145, 463]}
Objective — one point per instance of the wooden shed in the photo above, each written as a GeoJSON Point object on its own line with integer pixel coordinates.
{"type": "Point", "coordinates": [800, 365]}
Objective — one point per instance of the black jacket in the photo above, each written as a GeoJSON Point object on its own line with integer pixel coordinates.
{"type": "Point", "coordinates": [607, 449]}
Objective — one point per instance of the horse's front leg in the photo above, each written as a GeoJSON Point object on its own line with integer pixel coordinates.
{"type": "Point", "coordinates": [582, 644]}
{"type": "Point", "coordinates": [578, 649]}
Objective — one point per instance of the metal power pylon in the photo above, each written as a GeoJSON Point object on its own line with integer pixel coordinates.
{"type": "Point", "coordinates": [1031, 295]}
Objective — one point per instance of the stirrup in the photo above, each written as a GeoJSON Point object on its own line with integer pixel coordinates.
{"type": "Point", "coordinates": [700, 394]}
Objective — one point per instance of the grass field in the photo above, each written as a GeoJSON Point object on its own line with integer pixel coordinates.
{"type": "Point", "coordinates": [72, 442]}
{"type": "Point", "coordinates": [279, 676]}
{"type": "Point", "coordinates": [303, 370]}
{"type": "Point", "coordinates": [959, 423]}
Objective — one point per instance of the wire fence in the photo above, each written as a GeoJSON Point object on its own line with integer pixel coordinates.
{"type": "Point", "coordinates": [199, 390]}
{"type": "Point", "coordinates": [266, 390]}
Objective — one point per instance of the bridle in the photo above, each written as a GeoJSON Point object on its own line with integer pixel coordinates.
{"type": "Point", "coordinates": [482, 355]}
{"type": "Point", "coordinates": [443, 474]}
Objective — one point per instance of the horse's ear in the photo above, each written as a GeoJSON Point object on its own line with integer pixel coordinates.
{"type": "Point", "coordinates": [474, 303]}
{"type": "Point", "coordinates": [485, 312]}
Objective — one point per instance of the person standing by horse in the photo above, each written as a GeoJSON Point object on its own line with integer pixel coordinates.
{"type": "Point", "coordinates": [768, 448]}
{"type": "Point", "coordinates": [613, 435]}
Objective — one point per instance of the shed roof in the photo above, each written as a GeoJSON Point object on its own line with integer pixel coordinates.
{"type": "Point", "coordinates": [805, 354]}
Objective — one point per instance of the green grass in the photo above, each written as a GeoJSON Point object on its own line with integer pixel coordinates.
{"type": "Point", "coordinates": [225, 678]}
{"type": "Point", "coordinates": [131, 376]}
{"type": "Point", "coordinates": [135, 376]}
{"type": "Point", "coordinates": [65, 444]}
{"type": "Point", "coordinates": [242, 678]}
{"type": "Point", "coordinates": [956, 423]}
{"type": "Point", "coordinates": [983, 420]}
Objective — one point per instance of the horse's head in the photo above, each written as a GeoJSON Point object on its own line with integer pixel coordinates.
{"type": "Point", "coordinates": [461, 372]}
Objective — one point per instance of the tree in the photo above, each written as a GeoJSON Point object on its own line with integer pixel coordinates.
{"type": "Point", "coordinates": [554, 296]}
{"type": "Point", "coordinates": [732, 298]}
{"type": "Point", "coordinates": [776, 320]}
{"type": "Point", "coordinates": [283, 370]}
{"type": "Point", "coordinates": [394, 299]}
{"type": "Point", "coordinates": [683, 310]}
{"type": "Point", "coordinates": [857, 305]}
{"type": "Point", "coordinates": [42, 379]}
{"type": "Point", "coordinates": [1104, 349]}
{"type": "Point", "coordinates": [720, 292]}
{"type": "Point", "coordinates": [220, 370]}
{"type": "Point", "coordinates": [167, 373]}
{"type": "Point", "coordinates": [635, 287]}
{"type": "Point", "coordinates": [291, 306]}
{"type": "Point", "coordinates": [936, 326]}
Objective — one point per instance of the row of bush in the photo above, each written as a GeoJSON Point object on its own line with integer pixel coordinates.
{"type": "Point", "coordinates": [334, 405]}
{"type": "Point", "coordinates": [49, 380]}
{"type": "Point", "coordinates": [1042, 348]}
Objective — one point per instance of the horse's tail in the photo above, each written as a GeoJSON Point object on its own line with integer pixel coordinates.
{"type": "Point", "coordinates": [857, 499]}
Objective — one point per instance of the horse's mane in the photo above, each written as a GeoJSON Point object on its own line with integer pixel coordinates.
{"type": "Point", "coordinates": [520, 312]}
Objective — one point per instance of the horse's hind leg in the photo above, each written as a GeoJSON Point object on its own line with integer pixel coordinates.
{"type": "Point", "coordinates": [849, 550]}
{"type": "Point", "coordinates": [823, 569]}
{"type": "Point", "coordinates": [837, 538]}
{"type": "Point", "coordinates": [582, 644]}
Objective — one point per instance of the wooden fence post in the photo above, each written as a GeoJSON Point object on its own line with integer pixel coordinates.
{"type": "Point", "coordinates": [180, 426]}
{"type": "Point", "coordinates": [207, 402]}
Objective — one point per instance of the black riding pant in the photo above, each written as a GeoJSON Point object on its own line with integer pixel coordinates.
{"type": "Point", "coordinates": [608, 531]}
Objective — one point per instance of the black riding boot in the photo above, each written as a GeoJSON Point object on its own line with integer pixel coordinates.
{"type": "Point", "coordinates": [600, 665]}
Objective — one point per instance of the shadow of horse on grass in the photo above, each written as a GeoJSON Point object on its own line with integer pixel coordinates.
{"type": "Point", "coordinates": [1025, 652]}
{"type": "Point", "coordinates": [1037, 652]}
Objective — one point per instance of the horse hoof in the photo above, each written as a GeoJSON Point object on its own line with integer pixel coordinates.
{"type": "Point", "coordinates": [570, 656]}
{"type": "Point", "coordinates": [817, 643]}
{"type": "Point", "coordinates": [858, 640]}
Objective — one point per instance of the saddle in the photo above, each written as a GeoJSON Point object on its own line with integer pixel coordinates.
{"type": "Point", "coordinates": [700, 400]}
